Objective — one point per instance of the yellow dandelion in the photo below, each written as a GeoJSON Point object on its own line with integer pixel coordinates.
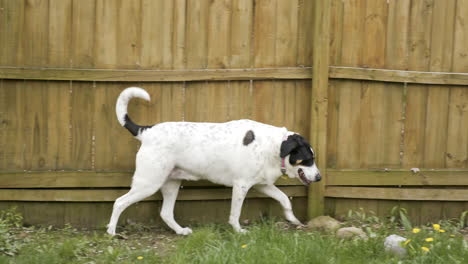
{"type": "Point", "coordinates": [425, 249]}
{"type": "Point", "coordinates": [436, 227]}
{"type": "Point", "coordinates": [441, 231]}
{"type": "Point", "coordinates": [452, 235]}
{"type": "Point", "coordinates": [416, 230]}
{"type": "Point", "coordinates": [429, 239]}
{"type": "Point", "coordinates": [407, 242]}
{"type": "Point", "coordinates": [244, 246]}
{"type": "Point", "coordinates": [139, 257]}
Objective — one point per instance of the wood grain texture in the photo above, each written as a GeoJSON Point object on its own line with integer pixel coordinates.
{"type": "Point", "coordinates": [398, 194]}
{"type": "Point", "coordinates": [83, 33]}
{"type": "Point", "coordinates": [397, 177]}
{"type": "Point", "coordinates": [106, 40]}
{"type": "Point", "coordinates": [60, 33]}
{"type": "Point", "coordinates": [34, 39]}
{"type": "Point", "coordinates": [58, 195]}
{"type": "Point", "coordinates": [157, 34]}
{"type": "Point", "coordinates": [10, 36]}
{"type": "Point", "coordinates": [88, 179]}
{"type": "Point", "coordinates": [319, 103]}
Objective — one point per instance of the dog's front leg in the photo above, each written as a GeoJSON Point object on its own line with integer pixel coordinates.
{"type": "Point", "coordinates": [239, 191]}
{"type": "Point", "coordinates": [282, 198]}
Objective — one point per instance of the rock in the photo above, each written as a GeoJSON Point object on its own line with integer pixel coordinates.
{"type": "Point", "coordinates": [324, 223]}
{"type": "Point", "coordinates": [351, 232]}
{"type": "Point", "coordinates": [392, 245]}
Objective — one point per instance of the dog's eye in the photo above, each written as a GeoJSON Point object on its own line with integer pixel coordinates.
{"type": "Point", "coordinates": [307, 163]}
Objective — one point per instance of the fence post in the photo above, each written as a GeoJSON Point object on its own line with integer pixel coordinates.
{"type": "Point", "coordinates": [319, 104]}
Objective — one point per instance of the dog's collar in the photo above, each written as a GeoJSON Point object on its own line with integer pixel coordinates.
{"type": "Point", "coordinates": [283, 167]}
{"type": "Point", "coordinates": [283, 162]}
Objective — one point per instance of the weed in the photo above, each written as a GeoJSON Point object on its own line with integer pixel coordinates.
{"type": "Point", "coordinates": [264, 243]}
{"type": "Point", "coordinates": [10, 221]}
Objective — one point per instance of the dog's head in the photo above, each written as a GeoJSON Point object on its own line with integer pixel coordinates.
{"type": "Point", "coordinates": [301, 159]}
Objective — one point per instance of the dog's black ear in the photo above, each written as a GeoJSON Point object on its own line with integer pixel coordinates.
{"type": "Point", "coordinates": [287, 146]}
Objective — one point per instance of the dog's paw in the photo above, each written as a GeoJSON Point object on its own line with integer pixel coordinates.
{"type": "Point", "coordinates": [297, 223]}
{"type": "Point", "coordinates": [111, 231]}
{"type": "Point", "coordinates": [185, 231]}
{"type": "Point", "coordinates": [242, 231]}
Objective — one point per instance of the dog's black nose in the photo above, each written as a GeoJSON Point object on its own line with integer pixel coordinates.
{"type": "Point", "coordinates": [318, 177]}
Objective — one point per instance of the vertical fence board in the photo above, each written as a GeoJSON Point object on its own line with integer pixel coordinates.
{"type": "Point", "coordinates": [241, 34]}
{"type": "Point", "coordinates": [179, 35]}
{"type": "Point", "coordinates": [305, 32]}
{"type": "Point", "coordinates": [396, 57]}
{"type": "Point", "coordinates": [241, 99]}
{"type": "Point", "coordinates": [415, 121]}
{"type": "Point", "coordinates": [286, 20]}
{"type": "Point", "coordinates": [460, 49]}
{"type": "Point", "coordinates": [11, 25]}
{"type": "Point", "coordinates": [156, 34]}
{"type": "Point", "coordinates": [336, 31]}
{"type": "Point", "coordinates": [265, 33]}
{"type": "Point", "coordinates": [416, 98]}
{"type": "Point", "coordinates": [105, 51]}
{"type": "Point", "coordinates": [83, 99]}
{"type": "Point", "coordinates": [286, 55]}
{"type": "Point", "coordinates": [373, 93]}
{"type": "Point", "coordinates": [83, 33]}
{"type": "Point", "coordinates": [219, 26]}
{"type": "Point", "coordinates": [10, 125]}
{"type": "Point", "coordinates": [397, 43]}
{"type": "Point", "coordinates": [60, 23]}
{"type": "Point", "coordinates": [197, 33]}
{"type": "Point", "coordinates": [34, 41]}
{"type": "Point", "coordinates": [58, 126]}
{"type": "Point", "coordinates": [420, 35]}
{"type": "Point", "coordinates": [302, 112]}
{"type": "Point", "coordinates": [348, 153]}
{"type": "Point", "coordinates": [457, 138]}
{"type": "Point", "coordinates": [438, 97]}
{"type": "Point", "coordinates": [332, 124]}
{"type": "Point", "coordinates": [393, 125]}
{"type": "Point", "coordinates": [372, 124]}
{"type": "Point", "coordinates": [128, 34]}
{"type": "Point", "coordinates": [353, 32]}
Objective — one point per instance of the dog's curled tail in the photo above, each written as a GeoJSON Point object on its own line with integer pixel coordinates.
{"type": "Point", "coordinates": [121, 109]}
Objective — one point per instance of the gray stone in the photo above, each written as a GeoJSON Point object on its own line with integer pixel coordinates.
{"type": "Point", "coordinates": [393, 243]}
{"type": "Point", "coordinates": [323, 223]}
{"type": "Point", "coordinates": [351, 232]}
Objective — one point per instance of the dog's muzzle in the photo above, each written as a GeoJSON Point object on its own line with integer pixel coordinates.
{"type": "Point", "coordinates": [304, 179]}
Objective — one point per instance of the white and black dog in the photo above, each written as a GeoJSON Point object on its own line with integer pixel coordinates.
{"type": "Point", "coordinates": [240, 154]}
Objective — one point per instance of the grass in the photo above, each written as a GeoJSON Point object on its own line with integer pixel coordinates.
{"type": "Point", "coordinates": [266, 242]}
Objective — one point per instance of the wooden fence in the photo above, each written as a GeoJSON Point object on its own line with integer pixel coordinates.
{"type": "Point", "coordinates": [388, 93]}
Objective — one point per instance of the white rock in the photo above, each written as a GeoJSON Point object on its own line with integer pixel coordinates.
{"type": "Point", "coordinates": [415, 170]}
{"type": "Point", "coordinates": [392, 245]}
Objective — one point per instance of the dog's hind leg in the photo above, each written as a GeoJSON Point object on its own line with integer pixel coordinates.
{"type": "Point", "coordinates": [278, 195]}
{"type": "Point", "coordinates": [169, 191]}
{"type": "Point", "coordinates": [148, 178]}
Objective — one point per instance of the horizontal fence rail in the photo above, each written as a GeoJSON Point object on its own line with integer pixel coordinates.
{"type": "Point", "coordinates": [85, 179]}
{"type": "Point", "coordinates": [291, 73]}
{"type": "Point", "coordinates": [412, 194]}
{"type": "Point", "coordinates": [109, 195]}
{"type": "Point", "coordinates": [396, 177]}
